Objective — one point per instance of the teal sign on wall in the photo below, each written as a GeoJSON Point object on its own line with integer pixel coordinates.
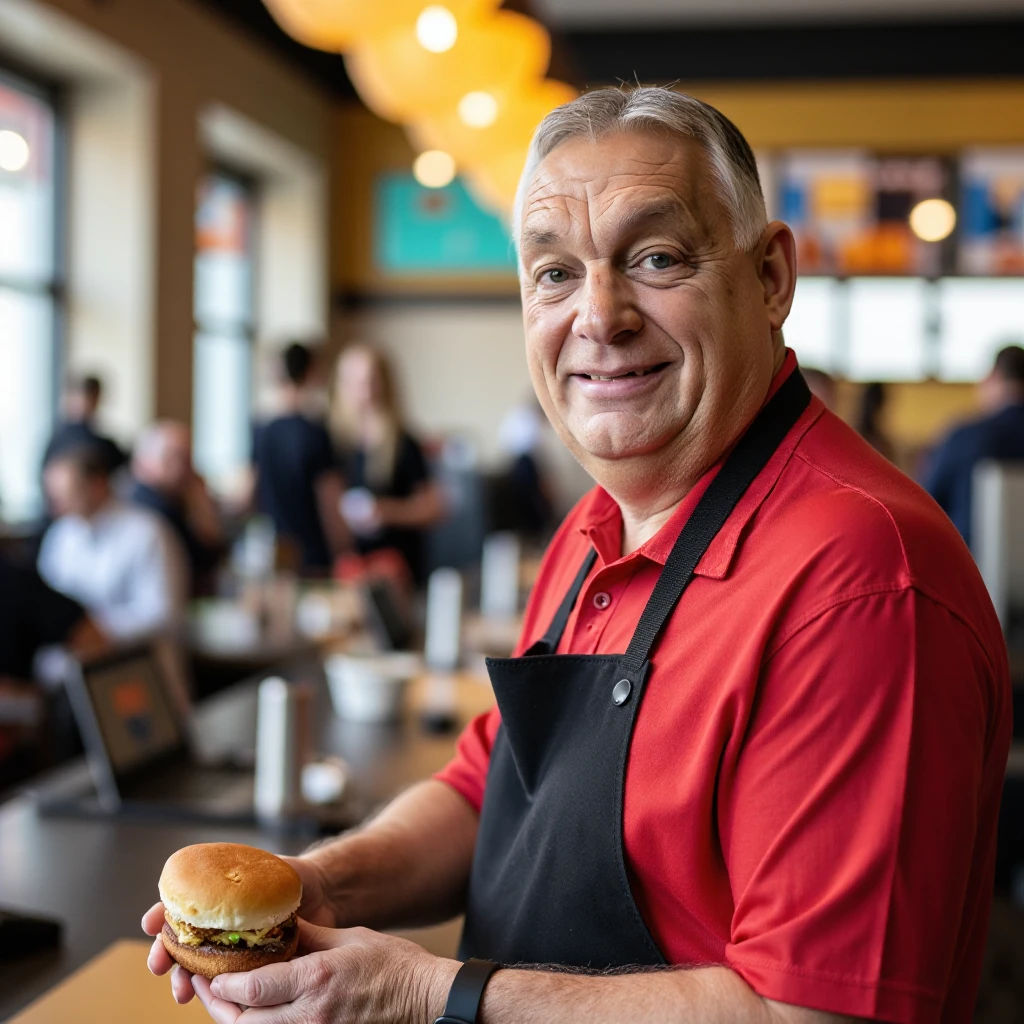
{"type": "Point", "coordinates": [421, 230]}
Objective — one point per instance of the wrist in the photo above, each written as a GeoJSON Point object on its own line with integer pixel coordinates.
{"type": "Point", "coordinates": [437, 985]}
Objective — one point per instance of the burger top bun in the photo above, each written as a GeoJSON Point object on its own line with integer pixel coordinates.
{"type": "Point", "coordinates": [229, 886]}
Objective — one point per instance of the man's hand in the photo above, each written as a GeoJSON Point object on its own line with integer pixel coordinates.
{"type": "Point", "coordinates": [313, 908]}
{"type": "Point", "coordinates": [344, 975]}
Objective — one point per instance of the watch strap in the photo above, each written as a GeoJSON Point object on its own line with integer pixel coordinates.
{"type": "Point", "coordinates": [467, 992]}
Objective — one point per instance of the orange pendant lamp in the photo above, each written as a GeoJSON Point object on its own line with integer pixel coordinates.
{"type": "Point", "coordinates": [485, 125]}
{"type": "Point", "coordinates": [400, 79]}
{"type": "Point", "coordinates": [338, 25]}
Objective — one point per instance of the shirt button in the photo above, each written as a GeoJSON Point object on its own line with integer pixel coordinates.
{"type": "Point", "coordinates": [602, 600]}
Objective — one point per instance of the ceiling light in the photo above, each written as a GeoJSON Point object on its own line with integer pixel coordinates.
{"type": "Point", "coordinates": [478, 110]}
{"type": "Point", "coordinates": [434, 169]}
{"type": "Point", "coordinates": [932, 220]}
{"type": "Point", "coordinates": [14, 151]}
{"type": "Point", "coordinates": [436, 29]}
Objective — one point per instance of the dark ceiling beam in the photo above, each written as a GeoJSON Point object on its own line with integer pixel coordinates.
{"type": "Point", "coordinates": [780, 52]}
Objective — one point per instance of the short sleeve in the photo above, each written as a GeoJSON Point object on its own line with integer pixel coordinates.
{"type": "Point", "coordinates": [466, 773]}
{"type": "Point", "coordinates": [856, 814]}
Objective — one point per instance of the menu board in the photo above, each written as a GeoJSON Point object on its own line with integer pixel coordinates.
{"type": "Point", "coordinates": [992, 212]}
{"type": "Point", "coordinates": [850, 211]}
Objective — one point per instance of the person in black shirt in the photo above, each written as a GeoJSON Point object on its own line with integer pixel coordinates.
{"type": "Point", "coordinates": [32, 616]}
{"type": "Point", "coordinates": [80, 403]}
{"type": "Point", "coordinates": [297, 480]}
{"type": "Point", "coordinates": [164, 480]}
{"type": "Point", "coordinates": [390, 498]}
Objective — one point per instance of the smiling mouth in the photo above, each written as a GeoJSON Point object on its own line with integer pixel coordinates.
{"type": "Point", "coordinates": [624, 376]}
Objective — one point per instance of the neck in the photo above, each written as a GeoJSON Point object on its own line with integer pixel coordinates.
{"type": "Point", "coordinates": [644, 510]}
{"type": "Point", "coordinates": [291, 398]}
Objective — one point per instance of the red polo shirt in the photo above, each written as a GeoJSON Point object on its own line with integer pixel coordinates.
{"type": "Point", "coordinates": [814, 779]}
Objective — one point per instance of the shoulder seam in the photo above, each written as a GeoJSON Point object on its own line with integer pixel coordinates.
{"type": "Point", "coordinates": [864, 494]}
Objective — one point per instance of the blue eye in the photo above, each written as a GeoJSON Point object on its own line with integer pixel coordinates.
{"type": "Point", "coordinates": [556, 276]}
{"type": "Point", "coordinates": [660, 261]}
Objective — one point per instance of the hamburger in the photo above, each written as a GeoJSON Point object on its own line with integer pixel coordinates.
{"type": "Point", "coordinates": [229, 908]}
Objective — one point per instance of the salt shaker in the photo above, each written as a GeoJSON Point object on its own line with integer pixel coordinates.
{"type": "Point", "coordinates": [283, 746]}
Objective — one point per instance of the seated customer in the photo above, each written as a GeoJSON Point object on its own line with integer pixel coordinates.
{"type": "Point", "coordinates": [165, 481]}
{"type": "Point", "coordinates": [32, 616]}
{"type": "Point", "coordinates": [121, 562]}
{"type": "Point", "coordinates": [79, 405]}
{"type": "Point", "coordinates": [297, 482]}
{"type": "Point", "coordinates": [998, 434]}
{"type": "Point", "coordinates": [390, 499]}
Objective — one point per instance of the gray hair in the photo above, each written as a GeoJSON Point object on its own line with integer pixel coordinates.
{"type": "Point", "coordinates": [653, 109]}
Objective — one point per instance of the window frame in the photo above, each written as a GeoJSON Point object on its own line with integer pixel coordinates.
{"type": "Point", "coordinates": [55, 287]}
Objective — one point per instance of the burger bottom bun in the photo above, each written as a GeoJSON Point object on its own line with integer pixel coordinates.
{"type": "Point", "coordinates": [209, 959]}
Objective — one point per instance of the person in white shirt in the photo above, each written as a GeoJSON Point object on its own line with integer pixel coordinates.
{"type": "Point", "coordinates": [119, 561]}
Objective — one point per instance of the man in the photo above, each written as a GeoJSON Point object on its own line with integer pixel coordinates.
{"type": "Point", "coordinates": [297, 479]}
{"type": "Point", "coordinates": [165, 481]}
{"type": "Point", "coordinates": [998, 434]}
{"type": "Point", "coordinates": [788, 782]}
{"type": "Point", "coordinates": [120, 562]}
{"type": "Point", "coordinates": [80, 404]}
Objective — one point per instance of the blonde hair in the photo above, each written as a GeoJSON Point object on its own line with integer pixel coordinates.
{"type": "Point", "coordinates": [347, 426]}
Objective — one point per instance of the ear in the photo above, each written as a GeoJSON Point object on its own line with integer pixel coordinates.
{"type": "Point", "coordinates": [776, 266]}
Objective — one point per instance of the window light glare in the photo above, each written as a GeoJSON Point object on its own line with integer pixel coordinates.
{"type": "Point", "coordinates": [434, 168]}
{"type": "Point", "coordinates": [14, 151]}
{"type": "Point", "coordinates": [478, 110]}
{"type": "Point", "coordinates": [932, 220]}
{"type": "Point", "coordinates": [436, 29]}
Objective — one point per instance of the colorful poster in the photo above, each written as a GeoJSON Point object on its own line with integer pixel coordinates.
{"type": "Point", "coordinates": [992, 212]}
{"type": "Point", "coordinates": [850, 211]}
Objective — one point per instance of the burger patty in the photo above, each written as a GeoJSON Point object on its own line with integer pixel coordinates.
{"type": "Point", "coordinates": [278, 935]}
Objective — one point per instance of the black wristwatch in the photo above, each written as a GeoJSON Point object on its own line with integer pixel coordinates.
{"type": "Point", "coordinates": [467, 992]}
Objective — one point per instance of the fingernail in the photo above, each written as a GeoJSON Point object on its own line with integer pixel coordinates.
{"type": "Point", "coordinates": [215, 986]}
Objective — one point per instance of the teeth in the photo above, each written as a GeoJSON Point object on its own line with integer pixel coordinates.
{"type": "Point", "coordinates": [632, 373]}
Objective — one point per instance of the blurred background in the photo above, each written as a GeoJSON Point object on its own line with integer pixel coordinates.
{"type": "Point", "coordinates": [261, 352]}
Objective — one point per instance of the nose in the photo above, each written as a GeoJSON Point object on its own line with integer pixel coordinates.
{"type": "Point", "coordinates": [606, 313]}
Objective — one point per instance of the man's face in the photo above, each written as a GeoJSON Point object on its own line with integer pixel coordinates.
{"type": "Point", "coordinates": [646, 330]}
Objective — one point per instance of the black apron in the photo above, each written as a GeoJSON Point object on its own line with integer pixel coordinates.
{"type": "Point", "coordinates": [549, 882]}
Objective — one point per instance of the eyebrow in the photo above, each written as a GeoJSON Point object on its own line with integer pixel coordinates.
{"type": "Point", "coordinates": [661, 209]}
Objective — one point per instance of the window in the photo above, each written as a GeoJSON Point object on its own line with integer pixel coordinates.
{"type": "Point", "coordinates": [225, 327]}
{"type": "Point", "coordinates": [29, 291]}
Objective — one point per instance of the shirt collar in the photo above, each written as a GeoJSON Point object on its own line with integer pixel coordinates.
{"type": "Point", "coordinates": [603, 523]}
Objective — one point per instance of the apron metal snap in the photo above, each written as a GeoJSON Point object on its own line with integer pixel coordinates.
{"type": "Point", "coordinates": [621, 691]}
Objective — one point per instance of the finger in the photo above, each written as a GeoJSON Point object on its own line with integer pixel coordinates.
{"type": "Point", "coordinates": [181, 984]}
{"type": "Point", "coordinates": [159, 960]}
{"type": "Point", "coordinates": [265, 986]}
{"type": "Point", "coordinates": [153, 919]}
{"type": "Point", "coordinates": [220, 1010]}
{"type": "Point", "coordinates": [314, 937]}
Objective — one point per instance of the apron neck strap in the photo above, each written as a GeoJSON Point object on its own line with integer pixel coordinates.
{"type": "Point", "coordinates": [750, 455]}
{"type": "Point", "coordinates": [548, 644]}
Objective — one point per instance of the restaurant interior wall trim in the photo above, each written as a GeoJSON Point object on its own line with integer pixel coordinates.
{"type": "Point", "coordinates": [193, 61]}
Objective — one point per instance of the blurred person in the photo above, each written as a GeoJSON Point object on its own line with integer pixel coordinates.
{"type": "Point", "coordinates": [118, 560]}
{"type": "Point", "coordinates": [297, 483]}
{"type": "Point", "coordinates": [997, 434]}
{"type": "Point", "coordinates": [822, 385]}
{"type": "Point", "coordinates": [79, 406]}
{"type": "Point", "coordinates": [33, 616]}
{"type": "Point", "coordinates": [758, 720]}
{"type": "Point", "coordinates": [870, 414]}
{"type": "Point", "coordinates": [165, 481]}
{"type": "Point", "coordinates": [390, 498]}
{"type": "Point", "coordinates": [523, 501]}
